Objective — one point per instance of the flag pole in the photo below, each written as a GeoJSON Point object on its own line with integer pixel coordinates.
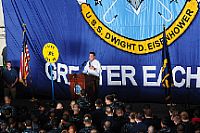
{"type": "Point", "coordinates": [52, 84]}
{"type": "Point", "coordinates": [51, 55]}
{"type": "Point", "coordinates": [167, 79]}
{"type": "Point", "coordinates": [25, 83]}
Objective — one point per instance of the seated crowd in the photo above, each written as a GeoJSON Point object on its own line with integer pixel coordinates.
{"type": "Point", "coordinates": [83, 116]}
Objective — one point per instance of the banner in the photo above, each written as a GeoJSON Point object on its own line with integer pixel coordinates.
{"type": "Point", "coordinates": [126, 36]}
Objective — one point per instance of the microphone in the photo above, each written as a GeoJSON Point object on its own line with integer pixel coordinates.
{"type": "Point", "coordinates": [89, 64]}
{"type": "Point", "coordinates": [83, 64]}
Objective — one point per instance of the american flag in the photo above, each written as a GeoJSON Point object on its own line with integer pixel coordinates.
{"type": "Point", "coordinates": [24, 60]}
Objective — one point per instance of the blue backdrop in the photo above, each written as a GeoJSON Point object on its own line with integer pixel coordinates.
{"type": "Point", "coordinates": [62, 23]}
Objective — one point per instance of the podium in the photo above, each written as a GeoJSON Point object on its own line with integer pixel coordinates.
{"type": "Point", "coordinates": [83, 81]}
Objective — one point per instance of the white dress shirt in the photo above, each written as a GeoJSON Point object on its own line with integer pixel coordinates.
{"type": "Point", "coordinates": [96, 64]}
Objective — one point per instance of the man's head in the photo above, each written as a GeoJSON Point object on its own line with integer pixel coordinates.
{"type": "Point", "coordinates": [54, 123]}
{"type": "Point", "coordinates": [139, 117]}
{"type": "Point", "coordinates": [98, 103]}
{"type": "Point", "coordinates": [7, 100]}
{"type": "Point", "coordinates": [119, 112]}
{"type": "Point", "coordinates": [109, 99]}
{"type": "Point", "coordinates": [72, 129]}
{"type": "Point", "coordinates": [72, 104]}
{"type": "Point", "coordinates": [87, 120]}
{"type": "Point", "coordinates": [184, 116]}
{"type": "Point", "coordinates": [128, 108]}
{"type": "Point", "coordinates": [41, 108]}
{"type": "Point", "coordinates": [66, 116]}
{"type": "Point", "coordinates": [147, 111]}
{"type": "Point", "coordinates": [132, 116]}
{"type": "Point", "coordinates": [151, 129]}
{"type": "Point", "coordinates": [59, 106]}
{"type": "Point", "coordinates": [92, 56]}
{"type": "Point", "coordinates": [114, 97]}
{"type": "Point", "coordinates": [76, 108]}
{"type": "Point", "coordinates": [109, 111]}
{"type": "Point", "coordinates": [107, 125]}
{"type": "Point", "coordinates": [8, 64]}
{"type": "Point", "coordinates": [28, 123]}
{"type": "Point", "coordinates": [52, 115]}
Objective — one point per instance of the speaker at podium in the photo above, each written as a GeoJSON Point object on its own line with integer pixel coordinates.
{"type": "Point", "coordinates": [83, 81]}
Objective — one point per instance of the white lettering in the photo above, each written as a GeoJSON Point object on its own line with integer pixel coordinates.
{"type": "Point", "coordinates": [101, 77]}
{"type": "Point", "coordinates": [73, 69]}
{"type": "Point", "coordinates": [128, 75]}
{"type": "Point", "coordinates": [193, 76]}
{"type": "Point", "coordinates": [47, 65]}
{"type": "Point", "coordinates": [182, 82]}
{"type": "Point", "coordinates": [147, 76]}
{"type": "Point", "coordinates": [111, 75]}
{"type": "Point", "coordinates": [62, 71]}
{"type": "Point", "coordinates": [119, 75]}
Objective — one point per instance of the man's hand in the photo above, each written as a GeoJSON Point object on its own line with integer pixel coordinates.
{"type": "Point", "coordinates": [92, 68]}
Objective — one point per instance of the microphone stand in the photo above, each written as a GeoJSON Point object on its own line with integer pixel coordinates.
{"type": "Point", "coordinates": [82, 65]}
